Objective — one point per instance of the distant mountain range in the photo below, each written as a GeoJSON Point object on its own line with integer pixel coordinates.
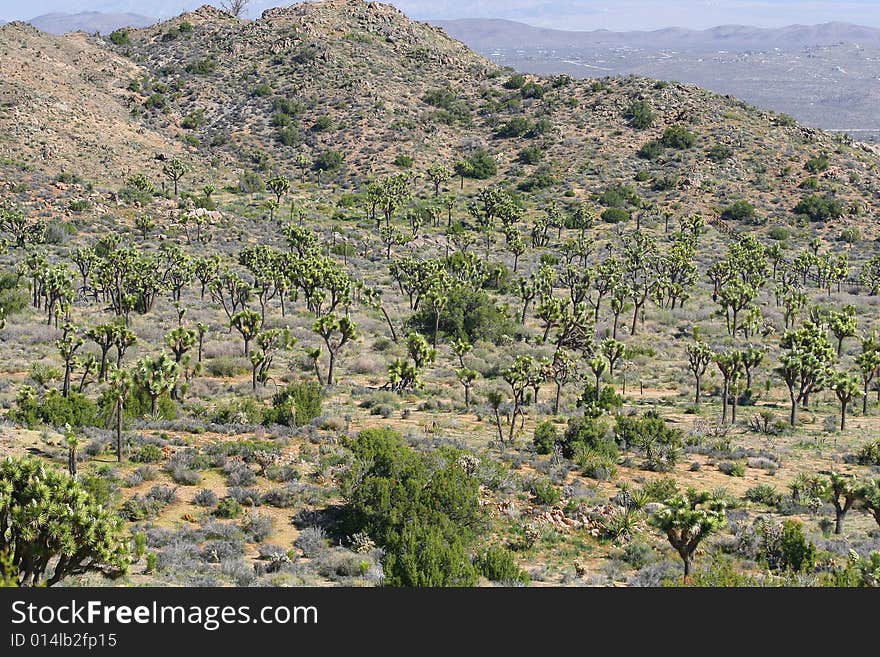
{"type": "Point", "coordinates": [88, 21]}
{"type": "Point", "coordinates": [486, 35]}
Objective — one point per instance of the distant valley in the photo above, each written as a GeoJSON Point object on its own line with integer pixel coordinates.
{"type": "Point", "coordinates": [824, 75]}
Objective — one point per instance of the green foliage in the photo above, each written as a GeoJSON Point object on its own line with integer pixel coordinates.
{"type": "Point", "coordinates": [764, 494]}
{"type": "Point", "coordinates": [640, 115]}
{"type": "Point", "coordinates": [469, 314]}
{"type": "Point", "coordinates": [422, 510]}
{"type": "Point", "coordinates": [869, 453]}
{"type": "Point", "coordinates": [328, 160]}
{"type": "Point", "coordinates": [739, 211]}
{"type": "Point", "coordinates": [515, 81]}
{"type": "Point", "coordinates": [53, 409]}
{"type": "Point", "coordinates": [615, 215]}
{"type": "Point", "coordinates": [204, 66]}
{"type": "Point", "coordinates": [817, 164]}
{"type": "Point", "coordinates": [49, 519]}
{"type": "Point", "coordinates": [148, 453]}
{"type": "Point", "coordinates": [779, 233]}
{"type": "Point", "coordinates": [497, 564]}
{"type": "Point", "coordinates": [120, 37]}
{"type": "Point", "coordinates": [322, 123]}
{"type": "Point", "coordinates": [819, 208]}
{"type": "Point", "coordinates": [228, 507]}
{"type": "Point", "coordinates": [586, 432]}
{"type": "Point", "coordinates": [719, 153]}
{"type": "Point", "coordinates": [531, 155]}
{"type": "Point", "coordinates": [297, 405]}
{"type": "Point", "coordinates": [678, 137]}
{"type": "Point", "coordinates": [651, 150]}
{"type": "Point", "coordinates": [403, 161]}
{"type": "Point", "coordinates": [479, 165]}
{"type": "Point", "coordinates": [546, 436]}
{"type": "Point", "coordinates": [546, 494]}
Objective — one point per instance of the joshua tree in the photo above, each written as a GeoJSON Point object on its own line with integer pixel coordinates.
{"type": "Point", "coordinates": [156, 375]}
{"type": "Point", "coordinates": [687, 520]}
{"type": "Point", "coordinates": [278, 185]}
{"type": "Point", "coordinates": [174, 171]}
{"type": "Point", "coordinates": [466, 377]}
{"type": "Point", "coordinates": [699, 356]}
{"type": "Point", "coordinates": [120, 388]}
{"type": "Point", "coordinates": [180, 340]}
{"type": "Point", "coordinates": [845, 387]}
{"type": "Point", "coordinates": [336, 332]}
{"type": "Point", "coordinates": [247, 322]}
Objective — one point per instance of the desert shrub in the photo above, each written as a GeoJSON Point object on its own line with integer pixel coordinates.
{"type": "Point", "coordinates": [481, 164]}
{"type": "Point", "coordinates": [497, 564]}
{"type": "Point", "coordinates": [147, 453]}
{"type": "Point", "coordinates": [719, 153]}
{"type": "Point", "coordinates": [228, 507]}
{"type": "Point", "coordinates": [851, 235]}
{"type": "Point", "coordinates": [545, 438]}
{"type": "Point", "coordinates": [587, 432]}
{"type": "Point", "coordinates": [245, 411]}
{"type": "Point", "coordinates": [819, 208]}
{"type": "Point", "coordinates": [469, 314]}
{"type": "Point", "coordinates": [531, 155]}
{"type": "Point", "coordinates": [869, 454]}
{"type": "Point", "coordinates": [205, 497]}
{"type": "Point", "coordinates": [312, 541]}
{"type": "Point", "coordinates": [779, 233]}
{"type": "Point", "coordinates": [678, 137]}
{"type": "Point", "coordinates": [145, 507]}
{"type": "Point", "coordinates": [204, 66]}
{"type": "Point", "coordinates": [239, 474]}
{"type": "Point", "coordinates": [733, 468]}
{"type": "Point", "coordinates": [640, 115]}
{"type": "Point", "coordinates": [257, 527]}
{"type": "Point", "coordinates": [615, 215]}
{"type": "Point", "coordinates": [597, 463]}
{"type": "Point", "coordinates": [297, 405]}
{"type": "Point", "coordinates": [660, 443]}
{"type": "Point", "coordinates": [515, 81]}
{"type": "Point", "coordinates": [53, 409]}
{"type": "Point", "coordinates": [661, 489]}
{"type": "Point", "coordinates": [119, 37]}
{"type": "Point", "coordinates": [651, 150]}
{"type": "Point", "coordinates": [546, 494]}
{"type": "Point", "coordinates": [515, 127]}
{"type": "Point", "coordinates": [817, 164]}
{"type": "Point", "coordinates": [328, 160]}
{"type": "Point", "coordinates": [245, 496]}
{"type": "Point", "coordinates": [764, 494]}
{"type": "Point", "coordinates": [422, 510]}
{"type": "Point", "coordinates": [403, 161]}
{"type": "Point", "coordinates": [226, 366]}
{"type": "Point", "coordinates": [739, 211]}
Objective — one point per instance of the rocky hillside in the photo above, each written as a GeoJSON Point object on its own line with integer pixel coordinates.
{"type": "Point", "coordinates": [306, 84]}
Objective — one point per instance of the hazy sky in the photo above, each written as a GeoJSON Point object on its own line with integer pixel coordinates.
{"type": "Point", "coordinates": [563, 14]}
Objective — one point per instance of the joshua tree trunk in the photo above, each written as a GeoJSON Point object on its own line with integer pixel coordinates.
{"type": "Point", "coordinates": [119, 410]}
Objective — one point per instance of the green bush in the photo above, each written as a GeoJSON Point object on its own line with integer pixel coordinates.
{"type": "Point", "coordinates": [148, 453]}
{"type": "Point", "coordinates": [531, 155]}
{"type": "Point", "coordinates": [651, 150]}
{"type": "Point", "coordinates": [497, 564]}
{"type": "Point", "coordinates": [798, 554]}
{"type": "Point", "coordinates": [739, 211]}
{"type": "Point", "coordinates": [328, 160]}
{"type": "Point", "coordinates": [204, 66]}
{"type": "Point", "coordinates": [779, 233]}
{"type": "Point", "coordinates": [228, 507]}
{"type": "Point", "coordinates": [817, 164]}
{"type": "Point", "coordinates": [322, 123]}
{"type": "Point", "coordinates": [869, 454]}
{"type": "Point", "coordinates": [586, 432]}
{"type": "Point", "coordinates": [482, 164]}
{"type": "Point", "coordinates": [469, 314]}
{"type": "Point", "coordinates": [600, 464]}
{"type": "Point", "coordinates": [615, 215]}
{"type": "Point", "coordinates": [819, 208]}
{"type": "Point", "coordinates": [764, 494]}
{"type": "Point", "coordinates": [719, 153]}
{"type": "Point", "coordinates": [546, 437]}
{"type": "Point", "coordinates": [120, 37]}
{"type": "Point", "coordinates": [515, 81]}
{"type": "Point", "coordinates": [423, 510]}
{"type": "Point", "coordinates": [678, 137]}
{"type": "Point", "coordinates": [640, 115]}
{"type": "Point", "coordinates": [403, 161]}
{"type": "Point", "coordinates": [851, 235]}
{"type": "Point", "coordinates": [546, 494]}
{"type": "Point", "coordinates": [53, 409]}
{"type": "Point", "coordinates": [297, 405]}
